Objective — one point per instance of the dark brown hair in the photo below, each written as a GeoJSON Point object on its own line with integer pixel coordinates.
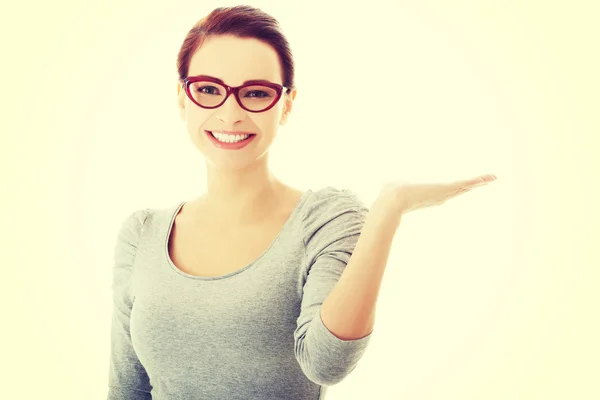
{"type": "Point", "coordinates": [244, 22]}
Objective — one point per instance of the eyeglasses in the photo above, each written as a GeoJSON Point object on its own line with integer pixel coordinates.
{"type": "Point", "coordinates": [253, 96]}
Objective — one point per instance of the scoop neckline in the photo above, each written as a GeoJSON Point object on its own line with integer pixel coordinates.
{"type": "Point", "coordinates": [244, 268]}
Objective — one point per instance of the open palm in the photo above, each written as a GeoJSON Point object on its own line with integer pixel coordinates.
{"type": "Point", "coordinates": [405, 197]}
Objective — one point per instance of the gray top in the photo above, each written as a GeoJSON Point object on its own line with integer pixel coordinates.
{"type": "Point", "coordinates": [255, 333]}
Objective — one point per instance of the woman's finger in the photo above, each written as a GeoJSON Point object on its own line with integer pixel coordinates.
{"type": "Point", "coordinates": [474, 182]}
{"type": "Point", "coordinates": [467, 184]}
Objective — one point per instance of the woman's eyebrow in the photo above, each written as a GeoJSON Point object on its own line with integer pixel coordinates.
{"type": "Point", "coordinates": [244, 83]}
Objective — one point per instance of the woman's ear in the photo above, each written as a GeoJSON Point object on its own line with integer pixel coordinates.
{"type": "Point", "coordinates": [287, 109]}
{"type": "Point", "coordinates": [181, 100]}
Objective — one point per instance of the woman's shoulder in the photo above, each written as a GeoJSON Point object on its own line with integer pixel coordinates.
{"type": "Point", "coordinates": [142, 217]}
{"type": "Point", "coordinates": [335, 197]}
{"type": "Point", "coordinates": [328, 203]}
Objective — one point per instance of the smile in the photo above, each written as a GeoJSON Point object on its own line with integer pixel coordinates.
{"type": "Point", "coordinates": [228, 138]}
{"type": "Point", "coordinates": [231, 142]}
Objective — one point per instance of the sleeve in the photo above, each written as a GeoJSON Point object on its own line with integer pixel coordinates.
{"type": "Point", "coordinates": [332, 225]}
{"type": "Point", "coordinates": [127, 379]}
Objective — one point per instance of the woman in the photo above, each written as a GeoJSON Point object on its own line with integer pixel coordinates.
{"type": "Point", "coordinates": [224, 296]}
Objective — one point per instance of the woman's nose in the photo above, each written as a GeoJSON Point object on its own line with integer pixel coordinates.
{"type": "Point", "coordinates": [230, 112]}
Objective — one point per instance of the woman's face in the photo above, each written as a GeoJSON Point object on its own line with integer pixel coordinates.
{"type": "Point", "coordinates": [234, 60]}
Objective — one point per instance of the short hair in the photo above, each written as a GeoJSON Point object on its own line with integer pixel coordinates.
{"type": "Point", "coordinates": [244, 22]}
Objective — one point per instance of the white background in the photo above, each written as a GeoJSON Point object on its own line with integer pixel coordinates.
{"type": "Point", "coordinates": [490, 296]}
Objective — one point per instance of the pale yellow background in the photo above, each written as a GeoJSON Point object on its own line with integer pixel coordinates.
{"type": "Point", "coordinates": [493, 295]}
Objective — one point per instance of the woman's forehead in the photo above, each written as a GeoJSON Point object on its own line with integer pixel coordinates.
{"type": "Point", "coordinates": [235, 60]}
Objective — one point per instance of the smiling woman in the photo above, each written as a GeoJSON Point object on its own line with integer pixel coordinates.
{"type": "Point", "coordinates": [193, 318]}
{"type": "Point", "coordinates": [215, 94]}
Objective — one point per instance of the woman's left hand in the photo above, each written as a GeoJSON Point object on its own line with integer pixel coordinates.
{"type": "Point", "coordinates": [399, 197]}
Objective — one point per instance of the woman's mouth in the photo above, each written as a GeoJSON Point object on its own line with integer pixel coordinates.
{"type": "Point", "coordinates": [231, 142]}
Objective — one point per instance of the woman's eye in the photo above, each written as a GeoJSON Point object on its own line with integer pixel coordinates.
{"type": "Point", "coordinates": [257, 93]}
{"type": "Point", "coordinates": [208, 90]}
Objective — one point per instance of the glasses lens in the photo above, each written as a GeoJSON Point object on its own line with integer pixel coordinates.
{"type": "Point", "coordinates": [254, 97]}
{"type": "Point", "coordinates": [207, 94]}
{"type": "Point", "coordinates": [257, 97]}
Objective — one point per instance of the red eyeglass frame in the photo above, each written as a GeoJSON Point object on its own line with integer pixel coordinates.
{"type": "Point", "coordinates": [235, 90]}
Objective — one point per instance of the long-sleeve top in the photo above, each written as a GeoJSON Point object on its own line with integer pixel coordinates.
{"type": "Point", "coordinates": [255, 333]}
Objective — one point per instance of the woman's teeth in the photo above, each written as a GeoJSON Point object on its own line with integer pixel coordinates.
{"type": "Point", "coordinates": [229, 138]}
